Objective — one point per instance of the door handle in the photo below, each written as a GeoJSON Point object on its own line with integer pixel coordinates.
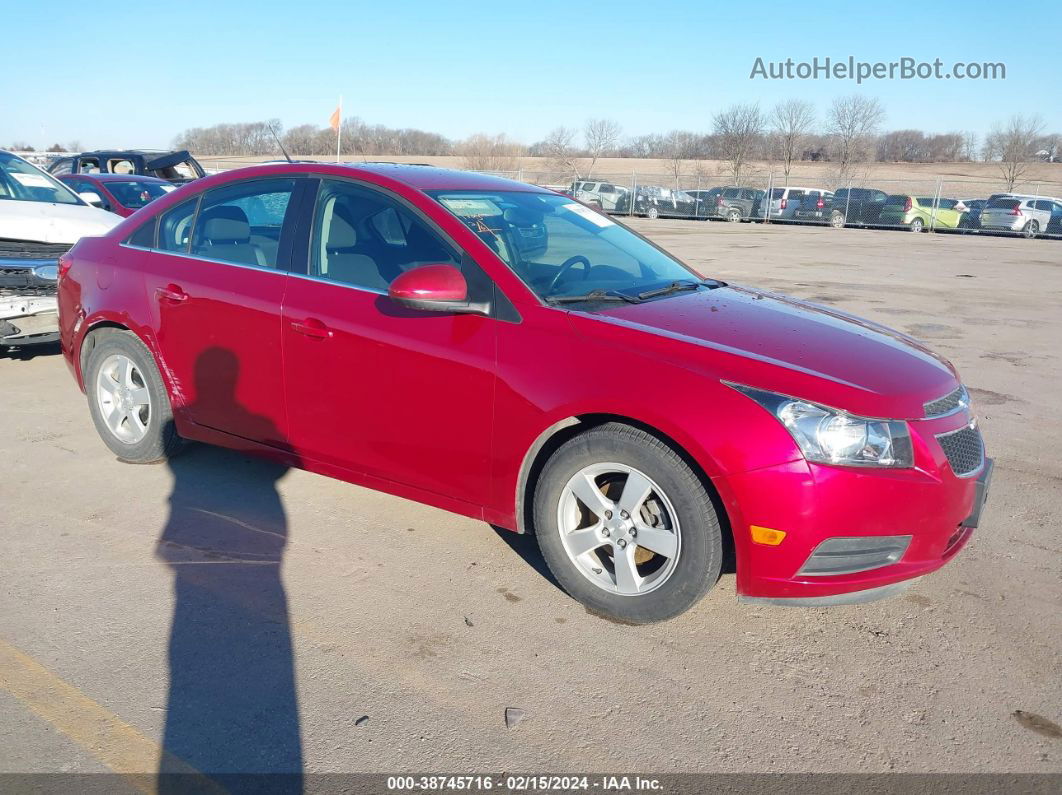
{"type": "Point", "coordinates": [312, 327]}
{"type": "Point", "coordinates": [171, 292]}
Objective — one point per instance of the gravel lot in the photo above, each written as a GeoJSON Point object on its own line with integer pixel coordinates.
{"type": "Point", "coordinates": [396, 635]}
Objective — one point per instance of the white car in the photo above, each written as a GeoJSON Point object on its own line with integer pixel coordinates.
{"type": "Point", "coordinates": [603, 195]}
{"type": "Point", "coordinates": [40, 218]}
{"type": "Point", "coordinates": [1028, 215]}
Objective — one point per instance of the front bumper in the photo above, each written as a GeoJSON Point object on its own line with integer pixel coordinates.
{"type": "Point", "coordinates": [812, 503]}
{"type": "Point", "coordinates": [28, 319]}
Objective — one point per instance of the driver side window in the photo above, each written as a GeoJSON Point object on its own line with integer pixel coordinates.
{"type": "Point", "coordinates": [364, 239]}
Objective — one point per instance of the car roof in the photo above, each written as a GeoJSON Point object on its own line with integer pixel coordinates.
{"type": "Point", "coordinates": [423, 178]}
{"type": "Point", "coordinates": [116, 177]}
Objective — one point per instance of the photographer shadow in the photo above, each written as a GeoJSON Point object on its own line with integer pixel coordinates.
{"type": "Point", "coordinates": [232, 710]}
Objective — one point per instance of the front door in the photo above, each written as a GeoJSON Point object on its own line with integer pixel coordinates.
{"type": "Point", "coordinates": [373, 387]}
{"type": "Point", "coordinates": [216, 283]}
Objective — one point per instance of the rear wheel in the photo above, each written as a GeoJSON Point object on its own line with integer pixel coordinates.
{"type": "Point", "coordinates": [626, 526]}
{"type": "Point", "coordinates": [837, 220]}
{"type": "Point", "coordinates": [128, 401]}
{"type": "Point", "coordinates": [733, 215]}
{"type": "Point", "coordinates": [1031, 230]}
{"type": "Point", "coordinates": [652, 213]}
{"type": "Point", "coordinates": [917, 225]}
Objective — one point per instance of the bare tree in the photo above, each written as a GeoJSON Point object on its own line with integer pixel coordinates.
{"type": "Point", "coordinates": [969, 146]}
{"type": "Point", "coordinates": [601, 136]}
{"type": "Point", "coordinates": [1015, 144]}
{"type": "Point", "coordinates": [482, 152]}
{"type": "Point", "coordinates": [738, 131]}
{"type": "Point", "coordinates": [679, 146]}
{"type": "Point", "coordinates": [852, 122]}
{"type": "Point", "coordinates": [790, 123]}
{"type": "Point", "coordinates": [559, 150]}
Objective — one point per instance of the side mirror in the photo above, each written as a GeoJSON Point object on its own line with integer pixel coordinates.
{"type": "Point", "coordinates": [91, 197]}
{"type": "Point", "coordinates": [435, 288]}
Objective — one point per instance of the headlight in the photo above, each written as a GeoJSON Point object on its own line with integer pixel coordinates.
{"type": "Point", "coordinates": [831, 436]}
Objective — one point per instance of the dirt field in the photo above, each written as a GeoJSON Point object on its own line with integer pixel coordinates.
{"type": "Point", "coordinates": [957, 180]}
{"type": "Point", "coordinates": [397, 635]}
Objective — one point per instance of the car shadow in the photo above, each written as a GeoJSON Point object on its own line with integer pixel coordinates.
{"type": "Point", "coordinates": [525, 545]}
{"type": "Point", "coordinates": [232, 710]}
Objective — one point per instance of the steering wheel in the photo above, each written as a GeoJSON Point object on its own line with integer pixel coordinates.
{"type": "Point", "coordinates": [566, 266]}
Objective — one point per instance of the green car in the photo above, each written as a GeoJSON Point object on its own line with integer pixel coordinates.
{"type": "Point", "coordinates": [917, 213]}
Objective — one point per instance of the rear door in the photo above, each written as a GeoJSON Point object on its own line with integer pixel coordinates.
{"type": "Point", "coordinates": [216, 283]}
{"type": "Point", "coordinates": [372, 387]}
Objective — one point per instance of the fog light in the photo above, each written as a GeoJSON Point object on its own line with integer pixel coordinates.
{"type": "Point", "coordinates": [849, 555]}
{"type": "Point", "coordinates": [765, 535]}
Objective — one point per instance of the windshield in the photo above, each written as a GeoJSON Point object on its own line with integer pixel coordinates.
{"type": "Point", "coordinates": [136, 193]}
{"type": "Point", "coordinates": [19, 181]}
{"type": "Point", "coordinates": [562, 248]}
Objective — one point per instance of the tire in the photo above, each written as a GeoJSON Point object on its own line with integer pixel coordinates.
{"type": "Point", "coordinates": [120, 361]}
{"type": "Point", "coordinates": [652, 213]}
{"type": "Point", "coordinates": [674, 510]}
{"type": "Point", "coordinates": [1031, 230]}
{"type": "Point", "coordinates": [733, 215]}
{"type": "Point", "coordinates": [837, 220]}
{"type": "Point", "coordinates": [917, 225]}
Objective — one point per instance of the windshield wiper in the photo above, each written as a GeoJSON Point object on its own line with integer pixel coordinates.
{"type": "Point", "coordinates": [593, 295]}
{"type": "Point", "coordinates": [674, 287]}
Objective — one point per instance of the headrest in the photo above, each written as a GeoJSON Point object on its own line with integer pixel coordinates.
{"type": "Point", "coordinates": [225, 223]}
{"type": "Point", "coordinates": [341, 233]}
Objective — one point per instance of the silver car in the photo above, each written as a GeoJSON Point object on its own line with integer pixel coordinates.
{"type": "Point", "coordinates": [1026, 215]}
{"type": "Point", "coordinates": [785, 201]}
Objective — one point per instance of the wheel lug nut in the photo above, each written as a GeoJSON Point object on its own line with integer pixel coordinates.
{"type": "Point", "coordinates": [605, 532]}
{"type": "Point", "coordinates": [633, 533]}
{"type": "Point", "coordinates": [624, 515]}
{"type": "Point", "coordinates": [621, 543]}
{"type": "Point", "coordinates": [608, 514]}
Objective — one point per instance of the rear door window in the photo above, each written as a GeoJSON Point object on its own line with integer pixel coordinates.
{"type": "Point", "coordinates": [242, 223]}
{"type": "Point", "coordinates": [175, 227]}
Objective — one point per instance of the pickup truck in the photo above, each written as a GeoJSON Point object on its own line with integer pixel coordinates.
{"type": "Point", "coordinates": [40, 219]}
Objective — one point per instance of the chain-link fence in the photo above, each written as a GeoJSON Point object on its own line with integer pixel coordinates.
{"type": "Point", "coordinates": [928, 203]}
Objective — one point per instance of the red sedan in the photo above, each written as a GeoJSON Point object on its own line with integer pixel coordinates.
{"type": "Point", "coordinates": [122, 194]}
{"type": "Point", "coordinates": [506, 353]}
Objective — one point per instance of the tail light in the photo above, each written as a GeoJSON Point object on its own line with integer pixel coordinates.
{"type": "Point", "coordinates": [785, 203]}
{"type": "Point", "coordinates": [1016, 211]}
{"type": "Point", "coordinates": [820, 204]}
{"type": "Point", "coordinates": [64, 264]}
{"type": "Point", "coordinates": [907, 205]}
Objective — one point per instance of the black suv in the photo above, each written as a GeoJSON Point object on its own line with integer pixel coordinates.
{"type": "Point", "coordinates": [849, 207]}
{"type": "Point", "coordinates": [177, 167]}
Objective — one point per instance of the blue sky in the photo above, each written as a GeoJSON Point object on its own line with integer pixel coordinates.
{"type": "Point", "coordinates": [135, 74]}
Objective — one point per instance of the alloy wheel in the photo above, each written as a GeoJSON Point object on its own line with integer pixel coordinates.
{"type": "Point", "coordinates": [619, 528]}
{"type": "Point", "coordinates": [123, 398]}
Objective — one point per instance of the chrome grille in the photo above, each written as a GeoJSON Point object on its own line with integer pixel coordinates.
{"type": "Point", "coordinates": [959, 398]}
{"type": "Point", "coordinates": [965, 450]}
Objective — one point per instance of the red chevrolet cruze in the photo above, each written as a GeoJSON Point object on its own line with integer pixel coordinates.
{"type": "Point", "coordinates": [506, 353]}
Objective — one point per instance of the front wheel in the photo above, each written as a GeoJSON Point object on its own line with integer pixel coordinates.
{"type": "Point", "coordinates": [128, 401]}
{"type": "Point", "coordinates": [652, 213]}
{"type": "Point", "coordinates": [626, 526]}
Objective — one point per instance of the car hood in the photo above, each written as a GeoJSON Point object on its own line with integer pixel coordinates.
{"type": "Point", "coordinates": [784, 345]}
{"type": "Point", "coordinates": [44, 222]}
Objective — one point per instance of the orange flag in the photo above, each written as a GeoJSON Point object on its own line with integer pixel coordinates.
{"type": "Point", "coordinates": [333, 120]}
